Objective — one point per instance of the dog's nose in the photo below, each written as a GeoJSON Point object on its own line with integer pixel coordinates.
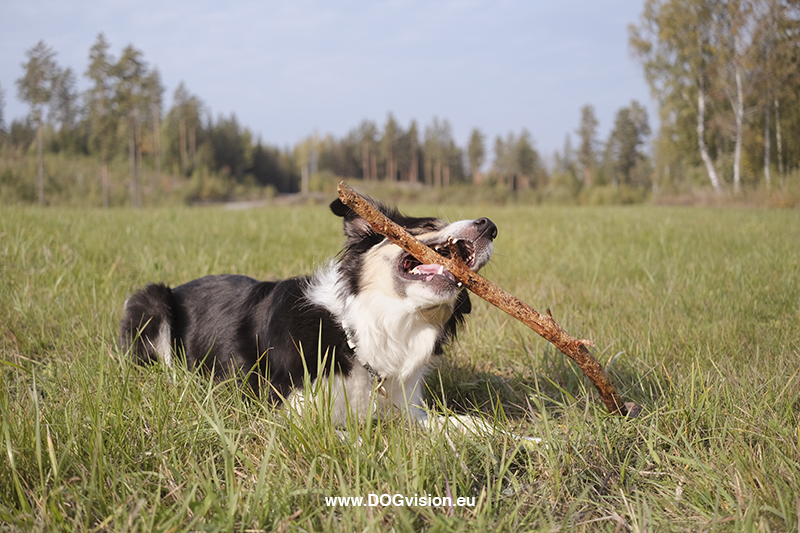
{"type": "Point", "coordinates": [486, 228]}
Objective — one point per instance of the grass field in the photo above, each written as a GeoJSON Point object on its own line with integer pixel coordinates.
{"type": "Point", "coordinates": [696, 312]}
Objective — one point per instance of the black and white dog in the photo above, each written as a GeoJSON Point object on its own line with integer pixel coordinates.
{"type": "Point", "coordinates": [375, 315]}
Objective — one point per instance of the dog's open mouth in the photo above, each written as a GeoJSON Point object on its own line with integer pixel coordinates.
{"type": "Point", "coordinates": [413, 269]}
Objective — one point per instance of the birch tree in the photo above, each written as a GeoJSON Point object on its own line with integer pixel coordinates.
{"type": "Point", "coordinates": [733, 28]}
{"type": "Point", "coordinates": [776, 68]}
{"type": "Point", "coordinates": [674, 43]}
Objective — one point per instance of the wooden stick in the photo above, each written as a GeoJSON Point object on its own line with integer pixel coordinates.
{"type": "Point", "coordinates": [544, 325]}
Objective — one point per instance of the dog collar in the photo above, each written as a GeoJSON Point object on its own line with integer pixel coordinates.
{"type": "Point", "coordinates": [351, 342]}
{"type": "Point", "coordinates": [373, 374]}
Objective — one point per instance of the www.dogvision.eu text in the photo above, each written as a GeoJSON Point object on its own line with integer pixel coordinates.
{"type": "Point", "coordinates": [400, 500]}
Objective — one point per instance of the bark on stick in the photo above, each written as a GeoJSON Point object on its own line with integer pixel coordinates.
{"type": "Point", "coordinates": [544, 325]}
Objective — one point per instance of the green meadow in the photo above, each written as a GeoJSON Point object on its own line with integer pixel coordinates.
{"type": "Point", "coordinates": [695, 312]}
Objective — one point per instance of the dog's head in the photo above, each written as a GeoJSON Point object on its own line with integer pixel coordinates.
{"type": "Point", "coordinates": [373, 262]}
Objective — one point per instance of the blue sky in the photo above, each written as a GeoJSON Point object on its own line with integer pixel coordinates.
{"type": "Point", "coordinates": [288, 69]}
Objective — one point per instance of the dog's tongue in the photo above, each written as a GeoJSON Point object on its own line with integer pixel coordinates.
{"type": "Point", "coordinates": [432, 270]}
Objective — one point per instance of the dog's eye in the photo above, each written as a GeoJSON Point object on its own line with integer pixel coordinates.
{"type": "Point", "coordinates": [423, 227]}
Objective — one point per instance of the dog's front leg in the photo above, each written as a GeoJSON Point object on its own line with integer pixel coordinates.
{"type": "Point", "coordinates": [405, 395]}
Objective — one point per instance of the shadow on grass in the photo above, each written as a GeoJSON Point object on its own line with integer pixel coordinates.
{"type": "Point", "coordinates": [554, 383]}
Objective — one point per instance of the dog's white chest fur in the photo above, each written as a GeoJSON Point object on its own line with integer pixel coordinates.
{"type": "Point", "coordinates": [390, 334]}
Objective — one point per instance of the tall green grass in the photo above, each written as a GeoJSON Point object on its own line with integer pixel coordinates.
{"type": "Point", "coordinates": [696, 313]}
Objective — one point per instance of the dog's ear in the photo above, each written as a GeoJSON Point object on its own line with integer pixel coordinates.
{"type": "Point", "coordinates": [339, 209]}
{"type": "Point", "coordinates": [354, 225]}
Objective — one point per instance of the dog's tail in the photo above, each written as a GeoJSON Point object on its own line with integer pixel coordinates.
{"type": "Point", "coordinates": [147, 327]}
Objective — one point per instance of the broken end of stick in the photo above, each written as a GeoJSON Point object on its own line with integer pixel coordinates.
{"type": "Point", "coordinates": [631, 410]}
{"type": "Point", "coordinates": [585, 342]}
{"type": "Point", "coordinates": [344, 189]}
{"type": "Point", "coordinates": [346, 193]}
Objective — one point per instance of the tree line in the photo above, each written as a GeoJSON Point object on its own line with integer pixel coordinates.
{"type": "Point", "coordinates": [121, 116]}
{"type": "Point", "coordinates": [726, 76]}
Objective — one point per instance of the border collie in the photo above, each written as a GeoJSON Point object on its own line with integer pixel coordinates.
{"type": "Point", "coordinates": [374, 315]}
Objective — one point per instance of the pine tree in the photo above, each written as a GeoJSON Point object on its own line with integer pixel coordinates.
{"type": "Point", "coordinates": [136, 89]}
{"type": "Point", "coordinates": [2, 110]}
{"type": "Point", "coordinates": [99, 99]}
{"type": "Point", "coordinates": [587, 151]}
{"type": "Point", "coordinates": [185, 115]}
{"type": "Point", "coordinates": [438, 149]}
{"type": "Point", "coordinates": [36, 87]}
{"type": "Point", "coordinates": [368, 132]}
{"type": "Point", "coordinates": [526, 160]}
{"type": "Point", "coordinates": [476, 152]}
{"type": "Point", "coordinates": [412, 135]}
{"type": "Point", "coordinates": [623, 147]}
{"type": "Point", "coordinates": [391, 134]}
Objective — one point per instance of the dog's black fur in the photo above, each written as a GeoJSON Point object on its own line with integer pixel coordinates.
{"type": "Point", "coordinates": [235, 326]}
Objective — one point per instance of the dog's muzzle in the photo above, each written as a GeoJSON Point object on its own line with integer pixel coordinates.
{"type": "Point", "coordinates": [473, 243]}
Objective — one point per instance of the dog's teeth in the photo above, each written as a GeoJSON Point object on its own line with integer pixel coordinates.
{"type": "Point", "coordinates": [459, 284]}
{"type": "Point", "coordinates": [441, 269]}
